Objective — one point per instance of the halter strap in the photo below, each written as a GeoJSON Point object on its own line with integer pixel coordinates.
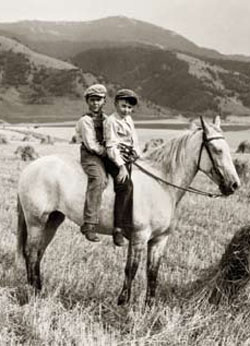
{"type": "Point", "coordinates": [204, 143]}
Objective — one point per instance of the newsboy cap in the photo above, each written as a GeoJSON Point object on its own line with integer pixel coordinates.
{"type": "Point", "coordinates": [127, 94]}
{"type": "Point", "coordinates": [95, 90]}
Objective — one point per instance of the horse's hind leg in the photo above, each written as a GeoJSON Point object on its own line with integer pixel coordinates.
{"type": "Point", "coordinates": [33, 254]}
{"type": "Point", "coordinates": [135, 252]}
{"type": "Point", "coordinates": [39, 237]}
{"type": "Point", "coordinates": [155, 252]}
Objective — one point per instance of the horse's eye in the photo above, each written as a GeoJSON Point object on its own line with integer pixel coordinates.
{"type": "Point", "coordinates": [217, 151]}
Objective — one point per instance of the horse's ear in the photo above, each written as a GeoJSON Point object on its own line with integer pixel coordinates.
{"type": "Point", "coordinates": [193, 126]}
{"type": "Point", "coordinates": [204, 125]}
{"type": "Point", "coordinates": [217, 121]}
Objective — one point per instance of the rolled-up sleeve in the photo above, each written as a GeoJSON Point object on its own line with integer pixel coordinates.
{"type": "Point", "coordinates": [86, 130]}
{"type": "Point", "coordinates": [78, 132]}
{"type": "Point", "coordinates": [112, 142]}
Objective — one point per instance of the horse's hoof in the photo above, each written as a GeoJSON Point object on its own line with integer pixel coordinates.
{"type": "Point", "coordinates": [122, 299]}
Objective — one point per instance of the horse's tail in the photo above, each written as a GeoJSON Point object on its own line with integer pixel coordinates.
{"type": "Point", "coordinates": [21, 235]}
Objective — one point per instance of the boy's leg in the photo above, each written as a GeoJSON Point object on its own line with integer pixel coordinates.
{"type": "Point", "coordinates": [124, 204]}
{"type": "Point", "coordinates": [123, 208]}
{"type": "Point", "coordinates": [97, 180]}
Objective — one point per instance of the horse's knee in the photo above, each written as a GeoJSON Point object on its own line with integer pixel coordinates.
{"type": "Point", "coordinates": [33, 269]}
{"type": "Point", "coordinates": [20, 267]}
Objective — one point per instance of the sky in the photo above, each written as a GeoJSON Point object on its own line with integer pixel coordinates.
{"type": "Point", "coordinates": [223, 25]}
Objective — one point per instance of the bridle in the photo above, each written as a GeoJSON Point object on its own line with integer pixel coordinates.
{"type": "Point", "coordinates": [205, 143]}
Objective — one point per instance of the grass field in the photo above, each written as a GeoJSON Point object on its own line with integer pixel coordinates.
{"type": "Point", "coordinates": [81, 280]}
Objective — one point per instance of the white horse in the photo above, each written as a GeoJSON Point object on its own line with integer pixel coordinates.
{"type": "Point", "coordinates": [51, 188]}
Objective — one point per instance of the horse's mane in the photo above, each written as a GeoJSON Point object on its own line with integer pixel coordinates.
{"type": "Point", "coordinates": [171, 153]}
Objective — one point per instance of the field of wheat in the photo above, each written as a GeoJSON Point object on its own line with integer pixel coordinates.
{"type": "Point", "coordinates": [82, 280]}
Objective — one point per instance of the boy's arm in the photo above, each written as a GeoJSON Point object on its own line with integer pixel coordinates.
{"type": "Point", "coordinates": [112, 142]}
{"type": "Point", "coordinates": [136, 145]}
{"type": "Point", "coordinates": [88, 136]}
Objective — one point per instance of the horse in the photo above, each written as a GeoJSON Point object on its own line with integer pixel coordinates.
{"type": "Point", "coordinates": [53, 187]}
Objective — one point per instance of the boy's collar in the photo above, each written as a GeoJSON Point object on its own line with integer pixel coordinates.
{"type": "Point", "coordinates": [91, 114]}
{"type": "Point", "coordinates": [119, 117]}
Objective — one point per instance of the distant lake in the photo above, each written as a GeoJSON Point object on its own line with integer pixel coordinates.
{"type": "Point", "coordinates": [153, 125]}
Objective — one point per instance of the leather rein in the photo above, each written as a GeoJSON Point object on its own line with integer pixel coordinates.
{"type": "Point", "coordinates": [204, 144]}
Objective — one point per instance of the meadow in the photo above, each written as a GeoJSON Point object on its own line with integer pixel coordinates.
{"type": "Point", "coordinates": [82, 280]}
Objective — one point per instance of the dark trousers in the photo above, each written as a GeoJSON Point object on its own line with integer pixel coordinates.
{"type": "Point", "coordinates": [123, 208]}
{"type": "Point", "coordinates": [94, 167]}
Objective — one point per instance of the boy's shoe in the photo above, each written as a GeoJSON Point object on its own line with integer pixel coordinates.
{"type": "Point", "coordinates": [89, 230]}
{"type": "Point", "coordinates": [118, 237]}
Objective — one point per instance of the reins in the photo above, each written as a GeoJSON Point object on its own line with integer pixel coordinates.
{"type": "Point", "coordinates": [190, 188]}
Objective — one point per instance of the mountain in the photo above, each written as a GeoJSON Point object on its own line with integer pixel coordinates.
{"type": "Point", "coordinates": [29, 80]}
{"type": "Point", "coordinates": [37, 59]}
{"type": "Point", "coordinates": [171, 74]}
{"type": "Point", "coordinates": [36, 88]}
{"type": "Point", "coordinates": [172, 79]}
{"type": "Point", "coordinates": [65, 39]}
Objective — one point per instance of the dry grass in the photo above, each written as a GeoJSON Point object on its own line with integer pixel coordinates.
{"type": "Point", "coordinates": [77, 305]}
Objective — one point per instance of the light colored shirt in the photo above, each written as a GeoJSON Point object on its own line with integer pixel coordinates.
{"type": "Point", "coordinates": [89, 131]}
{"type": "Point", "coordinates": [117, 131]}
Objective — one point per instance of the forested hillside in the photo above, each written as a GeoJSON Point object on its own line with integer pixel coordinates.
{"type": "Point", "coordinates": [174, 80]}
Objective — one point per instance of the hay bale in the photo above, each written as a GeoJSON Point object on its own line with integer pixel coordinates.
{"type": "Point", "coordinates": [233, 270]}
{"type": "Point", "coordinates": [242, 167]}
{"type": "Point", "coordinates": [223, 283]}
{"type": "Point", "coordinates": [27, 138]}
{"type": "Point", "coordinates": [3, 139]}
{"type": "Point", "coordinates": [152, 144]}
{"type": "Point", "coordinates": [26, 153]}
{"type": "Point", "coordinates": [244, 147]}
{"type": "Point", "coordinates": [47, 140]}
{"type": "Point", "coordinates": [73, 140]}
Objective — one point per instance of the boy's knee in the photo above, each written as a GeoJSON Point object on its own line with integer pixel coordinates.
{"type": "Point", "coordinates": [99, 180]}
{"type": "Point", "coordinates": [127, 185]}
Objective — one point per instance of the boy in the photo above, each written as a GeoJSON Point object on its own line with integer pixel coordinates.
{"type": "Point", "coordinates": [89, 131]}
{"type": "Point", "coordinates": [122, 148]}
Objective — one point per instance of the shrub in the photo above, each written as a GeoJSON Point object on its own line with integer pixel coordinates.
{"type": "Point", "coordinates": [47, 140]}
{"type": "Point", "coordinates": [243, 169]}
{"type": "Point", "coordinates": [3, 139]}
{"type": "Point", "coordinates": [26, 153]}
{"type": "Point", "coordinates": [244, 147]}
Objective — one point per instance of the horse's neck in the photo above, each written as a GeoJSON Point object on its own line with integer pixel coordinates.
{"type": "Point", "coordinates": [183, 167]}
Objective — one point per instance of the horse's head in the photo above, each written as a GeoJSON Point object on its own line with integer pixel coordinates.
{"type": "Point", "coordinates": [215, 159]}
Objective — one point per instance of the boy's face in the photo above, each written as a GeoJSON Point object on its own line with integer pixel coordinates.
{"type": "Point", "coordinates": [123, 107]}
{"type": "Point", "coordinates": [95, 103]}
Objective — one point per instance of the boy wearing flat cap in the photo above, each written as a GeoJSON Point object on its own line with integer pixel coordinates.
{"type": "Point", "coordinates": [89, 130]}
{"type": "Point", "coordinates": [122, 148]}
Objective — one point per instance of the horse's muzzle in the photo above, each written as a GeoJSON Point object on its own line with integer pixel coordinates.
{"type": "Point", "coordinates": [229, 189]}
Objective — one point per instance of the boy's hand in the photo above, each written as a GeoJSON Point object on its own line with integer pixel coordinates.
{"type": "Point", "coordinates": [104, 154]}
{"type": "Point", "coordinates": [123, 174]}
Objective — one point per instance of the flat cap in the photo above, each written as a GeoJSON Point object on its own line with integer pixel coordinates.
{"type": "Point", "coordinates": [127, 94]}
{"type": "Point", "coordinates": [95, 90]}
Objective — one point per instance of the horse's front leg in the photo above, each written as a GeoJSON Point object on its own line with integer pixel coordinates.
{"type": "Point", "coordinates": [135, 252]}
{"type": "Point", "coordinates": [155, 252]}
